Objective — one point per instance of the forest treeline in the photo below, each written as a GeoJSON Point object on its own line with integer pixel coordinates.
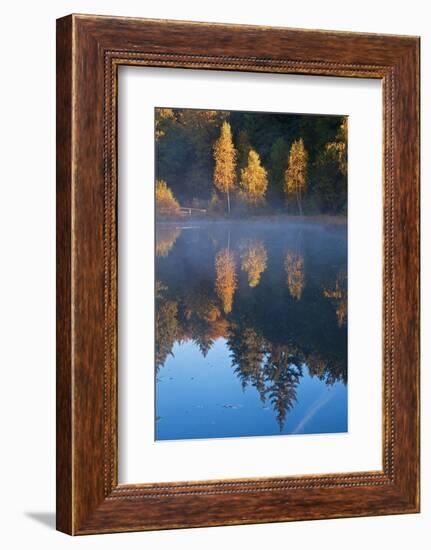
{"type": "Point", "coordinates": [240, 163]}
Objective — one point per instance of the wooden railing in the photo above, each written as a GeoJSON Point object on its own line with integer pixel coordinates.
{"type": "Point", "coordinates": [183, 211]}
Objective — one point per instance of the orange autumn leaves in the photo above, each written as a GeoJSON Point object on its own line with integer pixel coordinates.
{"type": "Point", "coordinates": [253, 176]}
{"type": "Point", "coordinates": [225, 162]}
{"type": "Point", "coordinates": [254, 181]}
{"type": "Point", "coordinates": [166, 203]}
{"type": "Point", "coordinates": [235, 164]}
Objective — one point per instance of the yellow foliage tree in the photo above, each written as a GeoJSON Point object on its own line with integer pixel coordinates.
{"type": "Point", "coordinates": [254, 180]}
{"type": "Point", "coordinates": [339, 147]}
{"type": "Point", "coordinates": [295, 177]}
{"type": "Point", "coordinates": [294, 267]}
{"type": "Point", "coordinates": [226, 280]}
{"type": "Point", "coordinates": [162, 116]}
{"type": "Point", "coordinates": [225, 162]}
{"type": "Point", "coordinates": [253, 262]}
{"type": "Point", "coordinates": [166, 203]}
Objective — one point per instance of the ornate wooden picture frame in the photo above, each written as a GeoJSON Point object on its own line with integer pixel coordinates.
{"type": "Point", "coordinates": [89, 51]}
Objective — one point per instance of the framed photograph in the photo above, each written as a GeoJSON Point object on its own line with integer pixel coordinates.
{"type": "Point", "coordinates": [237, 274]}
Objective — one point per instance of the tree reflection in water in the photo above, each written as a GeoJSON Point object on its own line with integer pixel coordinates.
{"type": "Point", "coordinates": [166, 237]}
{"type": "Point", "coordinates": [225, 283]}
{"type": "Point", "coordinates": [275, 333]}
{"type": "Point", "coordinates": [338, 295]}
{"type": "Point", "coordinates": [253, 261]}
{"type": "Point", "coordinates": [294, 267]}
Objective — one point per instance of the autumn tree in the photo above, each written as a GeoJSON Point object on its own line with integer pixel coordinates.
{"type": "Point", "coordinates": [225, 162]}
{"type": "Point", "coordinates": [184, 155]}
{"type": "Point", "coordinates": [295, 177]}
{"type": "Point", "coordinates": [339, 147]}
{"type": "Point", "coordinates": [226, 280]}
{"type": "Point", "coordinates": [166, 203]}
{"type": "Point", "coordinates": [330, 182]}
{"type": "Point", "coordinates": [164, 119]}
{"type": "Point", "coordinates": [184, 150]}
{"type": "Point", "coordinates": [254, 180]}
{"type": "Point", "coordinates": [253, 261]}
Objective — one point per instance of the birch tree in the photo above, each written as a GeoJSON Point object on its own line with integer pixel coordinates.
{"type": "Point", "coordinates": [295, 177]}
{"type": "Point", "coordinates": [254, 180]}
{"type": "Point", "coordinates": [225, 162]}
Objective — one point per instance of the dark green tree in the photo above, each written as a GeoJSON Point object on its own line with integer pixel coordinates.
{"type": "Point", "coordinates": [279, 154]}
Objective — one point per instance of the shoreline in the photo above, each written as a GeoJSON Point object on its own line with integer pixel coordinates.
{"type": "Point", "coordinates": [319, 219]}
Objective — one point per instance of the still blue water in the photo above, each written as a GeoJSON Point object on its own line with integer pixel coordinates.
{"type": "Point", "coordinates": [251, 329]}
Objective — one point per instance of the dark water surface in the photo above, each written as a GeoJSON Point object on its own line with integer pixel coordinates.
{"type": "Point", "coordinates": [251, 329]}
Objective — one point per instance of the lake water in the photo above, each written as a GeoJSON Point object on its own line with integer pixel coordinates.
{"type": "Point", "coordinates": [251, 329]}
